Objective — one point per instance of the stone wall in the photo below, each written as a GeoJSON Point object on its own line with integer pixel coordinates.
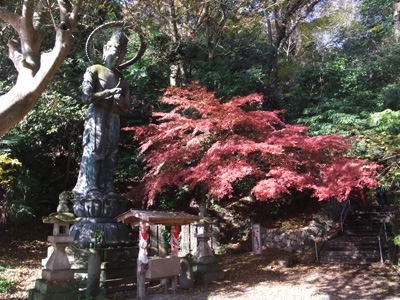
{"type": "Point", "coordinates": [324, 225]}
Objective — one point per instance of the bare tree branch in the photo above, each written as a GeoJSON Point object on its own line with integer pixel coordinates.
{"type": "Point", "coordinates": [13, 19]}
{"type": "Point", "coordinates": [65, 9]}
{"type": "Point", "coordinates": [15, 54]}
{"type": "Point", "coordinates": [74, 14]}
{"type": "Point", "coordinates": [35, 71]}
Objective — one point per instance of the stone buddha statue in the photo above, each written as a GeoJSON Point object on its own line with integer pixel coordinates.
{"type": "Point", "coordinates": [106, 92]}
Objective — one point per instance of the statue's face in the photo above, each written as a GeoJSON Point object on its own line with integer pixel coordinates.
{"type": "Point", "coordinates": [110, 54]}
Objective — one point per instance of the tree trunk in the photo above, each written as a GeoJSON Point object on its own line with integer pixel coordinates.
{"type": "Point", "coordinates": [396, 18]}
{"type": "Point", "coordinates": [174, 68]}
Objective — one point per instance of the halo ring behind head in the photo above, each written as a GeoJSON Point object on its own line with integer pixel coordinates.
{"type": "Point", "coordinates": [89, 47]}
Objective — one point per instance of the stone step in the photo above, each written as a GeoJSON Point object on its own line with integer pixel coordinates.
{"type": "Point", "coordinates": [359, 220]}
{"type": "Point", "coordinates": [354, 240]}
{"type": "Point", "coordinates": [351, 244]}
{"type": "Point", "coordinates": [358, 245]}
{"type": "Point", "coordinates": [360, 232]}
{"type": "Point", "coordinates": [372, 207]}
{"type": "Point", "coordinates": [364, 226]}
{"type": "Point", "coordinates": [348, 261]}
{"type": "Point", "coordinates": [351, 254]}
{"type": "Point", "coordinates": [359, 249]}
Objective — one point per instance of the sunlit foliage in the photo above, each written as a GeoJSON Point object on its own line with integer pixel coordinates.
{"type": "Point", "coordinates": [204, 140]}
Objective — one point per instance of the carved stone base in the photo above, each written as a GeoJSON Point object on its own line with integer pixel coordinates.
{"type": "Point", "coordinates": [98, 212]}
{"type": "Point", "coordinates": [49, 291]}
{"type": "Point", "coordinates": [115, 234]}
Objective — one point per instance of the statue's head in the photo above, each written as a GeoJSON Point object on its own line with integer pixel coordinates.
{"type": "Point", "coordinates": [115, 49]}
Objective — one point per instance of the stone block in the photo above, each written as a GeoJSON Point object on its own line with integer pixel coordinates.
{"type": "Point", "coordinates": [55, 288]}
{"type": "Point", "coordinates": [78, 257]}
{"type": "Point", "coordinates": [210, 259]}
{"type": "Point", "coordinates": [295, 245]}
{"type": "Point", "coordinates": [60, 239]}
{"type": "Point", "coordinates": [120, 254]}
{"type": "Point", "coordinates": [286, 235]}
{"type": "Point", "coordinates": [270, 244]}
{"type": "Point", "coordinates": [36, 295]}
{"type": "Point", "coordinates": [290, 236]}
{"type": "Point", "coordinates": [207, 272]}
{"type": "Point", "coordinates": [269, 238]}
{"type": "Point", "coordinates": [288, 249]}
{"type": "Point", "coordinates": [57, 275]}
{"type": "Point", "coordinates": [58, 260]}
{"type": "Point", "coordinates": [112, 270]}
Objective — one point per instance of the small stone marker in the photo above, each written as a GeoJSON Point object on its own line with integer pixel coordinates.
{"type": "Point", "coordinates": [256, 239]}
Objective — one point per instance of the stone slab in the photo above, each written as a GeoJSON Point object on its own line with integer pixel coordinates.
{"type": "Point", "coordinates": [207, 272]}
{"type": "Point", "coordinates": [54, 288]}
{"type": "Point", "coordinates": [79, 257]}
{"type": "Point", "coordinates": [118, 269]}
{"type": "Point", "coordinates": [36, 295]}
{"type": "Point", "coordinates": [120, 254]}
{"type": "Point", "coordinates": [57, 275]}
{"type": "Point", "coordinates": [205, 260]}
{"type": "Point", "coordinates": [60, 239]}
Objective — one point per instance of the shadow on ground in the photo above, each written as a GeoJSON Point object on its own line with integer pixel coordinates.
{"type": "Point", "coordinates": [249, 277]}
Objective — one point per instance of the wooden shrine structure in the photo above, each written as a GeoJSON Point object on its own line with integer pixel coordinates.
{"type": "Point", "coordinates": [154, 268]}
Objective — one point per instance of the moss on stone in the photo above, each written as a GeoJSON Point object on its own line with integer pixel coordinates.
{"type": "Point", "coordinates": [65, 217]}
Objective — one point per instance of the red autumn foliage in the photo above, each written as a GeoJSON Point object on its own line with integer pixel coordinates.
{"type": "Point", "coordinates": [205, 140]}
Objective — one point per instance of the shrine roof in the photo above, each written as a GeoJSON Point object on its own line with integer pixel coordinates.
{"type": "Point", "coordinates": [151, 217]}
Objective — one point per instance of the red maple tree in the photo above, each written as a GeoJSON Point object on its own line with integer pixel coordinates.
{"type": "Point", "coordinates": [206, 140]}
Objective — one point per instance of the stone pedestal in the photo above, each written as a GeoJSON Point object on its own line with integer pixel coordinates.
{"type": "Point", "coordinates": [97, 214]}
{"type": "Point", "coordinates": [57, 266]}
{"type": "Point", "coordinates": [45, 290]}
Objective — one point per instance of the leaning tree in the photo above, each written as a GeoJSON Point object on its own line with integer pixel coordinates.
{"type": "Point", "coordinates": [35, 69]}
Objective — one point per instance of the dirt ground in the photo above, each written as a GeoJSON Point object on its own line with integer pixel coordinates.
{"type": "Point", "coordinates": [249, 277]}
{"type": "Point", "coordinates": [246, 276]}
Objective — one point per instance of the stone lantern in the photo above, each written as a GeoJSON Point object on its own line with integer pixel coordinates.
{"type": "Point", "coordinates": [205, 264]}
{"type": "Point", "coordinates": [57, 273]}
{"type": "Point", "coordinates": [57, 264]}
